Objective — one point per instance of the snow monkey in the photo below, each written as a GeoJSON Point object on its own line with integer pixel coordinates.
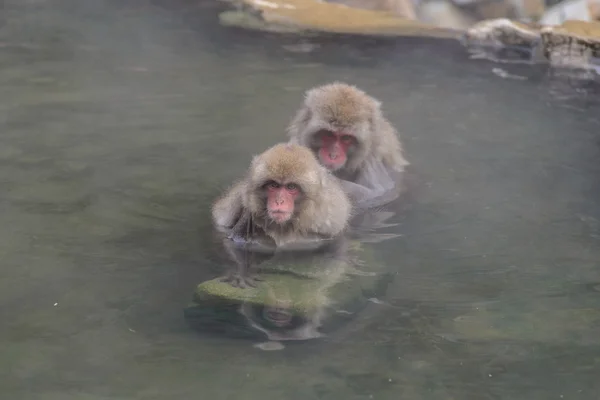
{"type": "Point", "coordinates": [287, 199]}
{"type": "Point", "coordinates": [346, 130]}
{"type": "Point", "coordinates": [286, 196]}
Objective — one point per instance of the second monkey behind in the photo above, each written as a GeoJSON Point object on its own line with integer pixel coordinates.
{"type": "Point", "coordinates": [347, 132]}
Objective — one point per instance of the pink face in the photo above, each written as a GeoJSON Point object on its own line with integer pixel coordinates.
{"type": "Point", "coordinates": [281, 200]}
{"type": "Point", "coordinates": [278, 316]}
{"type": "Point", "coordinates": [333, 151]}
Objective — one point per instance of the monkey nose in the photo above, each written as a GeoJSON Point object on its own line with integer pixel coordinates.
{"type": "Point", "coordinates": [333, 156]}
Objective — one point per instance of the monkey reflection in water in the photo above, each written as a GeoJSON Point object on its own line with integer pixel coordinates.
{"type": "Point", "coordinates": [302, 294]}
{"type": "Point", "coordinates": [348, 133]}
{"type": "Point", "coordinates": [296, 290]}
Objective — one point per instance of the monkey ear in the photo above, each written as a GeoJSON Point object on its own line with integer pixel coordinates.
{"type": "Point", "coordinates": [376, 105]}
{"type": "Point", "coordinates": [254, 162]}
{"type": "Point", "coordinates": [376, 115]}
{"type": "Point", "coordinates": [304, 115]}
{"type": "Point", "coordinates": [312, 92]}
{"type": "Point", "coordinates": [307, 114]}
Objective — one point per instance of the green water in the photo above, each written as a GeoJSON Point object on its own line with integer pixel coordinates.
{"type": "Point", "coordinates": [121, 123]}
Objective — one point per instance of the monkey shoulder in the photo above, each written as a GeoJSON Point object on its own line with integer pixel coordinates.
{"type": "Point", "coordinates": [228, 209]}
{"type": "Point", "coordinates": [334, 211]}
{"type": "Point", "coordinates": [390, 147]}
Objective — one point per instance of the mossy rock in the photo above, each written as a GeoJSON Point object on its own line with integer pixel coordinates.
{"type": "Point", "coordinates": [302, 292]}
{"type": "Point", "coordinates": [545, 326]}
{"type": "Point", "coordinates": [303, 288]}
{"type": "Point", "coordinates": [299, 291]}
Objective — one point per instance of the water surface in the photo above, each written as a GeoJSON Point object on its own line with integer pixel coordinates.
{"type": "Point", "coordinates": [121, 123]}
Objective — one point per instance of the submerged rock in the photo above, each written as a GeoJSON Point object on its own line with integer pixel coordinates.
{"type": "Point", "coordinates": [315, 15]}
{"type": "Point", "coordinates": [300, 294]}
{"type": "Point", "coordinates": [296, 298]}
{"type": "Point", "coordinates": [549, 326]}
{"type": "Point", "coordinates": [573, 44]}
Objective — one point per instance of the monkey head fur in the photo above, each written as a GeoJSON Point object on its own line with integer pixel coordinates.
{"type": "Point", "coordinates": [321, 207]}
{"type": "Point", "coordinates": [338, 106]}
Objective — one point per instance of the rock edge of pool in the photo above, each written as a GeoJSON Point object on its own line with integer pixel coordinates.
{"type": "Point", "coordinates": [573, 44]}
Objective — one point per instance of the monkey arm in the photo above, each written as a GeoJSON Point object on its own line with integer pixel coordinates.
{"type": "Point", "coordinates": [242, 273]}
{"type": "Point", "coordinates": [247, 235]}
{"type": "Point", "coordinates": [227, 210]}
{"type": "Point", "coordinates": [242, 228]}
{"type": "Point", "coordinates": [310, 241]}
{"type": "Point", "coordinates": [389, 147]}
{"type": "Point", "coordinates": [375, 185]}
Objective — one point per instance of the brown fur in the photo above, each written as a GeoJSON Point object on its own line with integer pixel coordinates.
{"type": "Point", "coordinates": [341, 106]}
{"type": "Point", "coordinates": [323, 209]}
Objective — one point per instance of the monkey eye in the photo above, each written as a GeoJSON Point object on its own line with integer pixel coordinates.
{"type": "Point", "coordinates": [347, 138]}
{"type": "Point", "coordinates": [292, 187]}
{"type": "Point", "coordinates": [272, 185]}
{"type": "Point", "coordinates": [327, 133]}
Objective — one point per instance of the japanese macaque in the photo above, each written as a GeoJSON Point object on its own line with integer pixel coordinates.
{"type": "Point", "coordinates": [346, 130]}
{"type": "Point", "coordinates": [288, 196]}
{"type": "Point", "coordinates": [287, 199]}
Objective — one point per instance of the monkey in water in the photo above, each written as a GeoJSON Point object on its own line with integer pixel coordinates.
{"type": "Point", "coordinates": [346, 130]}
{"type": "Point", "coordinates": [287, 200]}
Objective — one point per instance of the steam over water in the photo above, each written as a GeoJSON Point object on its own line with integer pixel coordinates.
{"type": "Point", "coordinates": [120, 123]}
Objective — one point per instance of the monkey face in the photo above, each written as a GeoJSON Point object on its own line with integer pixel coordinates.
{"type": "Point", "coordinates": [334, 148]}
{"type": "Point", "coordinates": [278, 316]}
{"type": "Point", "coordinates": [281, 200]}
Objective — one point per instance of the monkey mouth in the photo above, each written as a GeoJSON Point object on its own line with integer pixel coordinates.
{"type": "Point", "coordinates": [280, 216]}
{"type": "Point", "coordinates": [333, 162]}
{"type": "Point", "coordinates": [278, 316]}
{"type": "Point", "coordinates": [334, 165]}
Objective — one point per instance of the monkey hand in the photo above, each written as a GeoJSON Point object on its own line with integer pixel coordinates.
{"type": "Point", "coordinates": [311, 242]}
{"type": "Point", "coordinates": [236, 238]}
{"type": "Point", "coordinates": [242, 280]}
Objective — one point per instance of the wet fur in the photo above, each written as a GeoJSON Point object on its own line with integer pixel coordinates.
{"type": "Point", "coordinates": [322, 211]}
{"type": "Point", "coordinates": [339, 106]}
